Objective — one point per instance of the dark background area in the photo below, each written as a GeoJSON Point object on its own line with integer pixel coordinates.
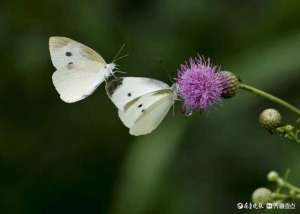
{"type": "Point", "coordinates": [79, 158]}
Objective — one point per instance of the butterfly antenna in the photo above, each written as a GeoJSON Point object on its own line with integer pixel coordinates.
{"type": "Point", "coordinates": [117, 70]}
{"type": "Point", "coordinates": [121, 57]}
{"type": "Point", "coordinates": [119, 52]}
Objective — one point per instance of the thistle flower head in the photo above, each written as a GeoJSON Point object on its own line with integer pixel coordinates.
{"type": "Point", "coordinates": [200, 84]}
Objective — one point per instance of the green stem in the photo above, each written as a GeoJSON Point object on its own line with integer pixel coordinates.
{"type": "Point", "coordinates": [281, 196]}
{"type": "Point", "coordinates": [270, 97]}
{"type": "Point", "coordinates": [292, 187]}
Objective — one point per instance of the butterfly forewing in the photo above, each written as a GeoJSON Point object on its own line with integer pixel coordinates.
{"type": "Point", "coordinates": [125, 90]}
{"type": "Point", "coordinates": [64, 50]}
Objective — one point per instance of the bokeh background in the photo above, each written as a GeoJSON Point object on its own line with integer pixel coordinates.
{"type": "Point", "coordinates": [79, 158]}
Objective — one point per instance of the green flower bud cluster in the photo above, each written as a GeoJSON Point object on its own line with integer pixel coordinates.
{"type": "Point", "coordinates": [289, 132]}
{"type": "Point", "coordinates": [264, 195]}
{"type": "Point", "coordinates": [271, 120]}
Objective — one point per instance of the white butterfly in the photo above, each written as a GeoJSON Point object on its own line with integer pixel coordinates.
{"type": "Point", "coordinates": [142, 102]}
{"type": "Point", "coordinates": [80, 70]}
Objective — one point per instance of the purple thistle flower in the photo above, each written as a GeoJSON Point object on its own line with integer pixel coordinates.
{"type": "Point", "coordinates": [200, 84]}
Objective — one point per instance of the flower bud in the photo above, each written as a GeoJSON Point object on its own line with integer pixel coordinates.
{"type": "Point", "coordinates": [270, 119]}
{"type": "Point", "coordinates": [262, 195]}
{"type": "Point", "coordinates": [289, 128]}
{"type": "Point", "coordinates": [293, 192]}
{"type": "Point", "coordinates": [231, 84]}
{"type": "Point", "coordinates": [273, 176]}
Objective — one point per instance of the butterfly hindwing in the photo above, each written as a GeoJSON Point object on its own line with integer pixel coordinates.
{"type": "Point", "coordinates": [153, 116]}
{"type": "Point", "coordinates": [136, 108]}
{"type": "Point", "coordinates": [144, 114]}
{"type": "Point", "coordinates": [77, 81]}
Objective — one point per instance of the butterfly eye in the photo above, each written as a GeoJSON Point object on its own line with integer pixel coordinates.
{"type": "Point", "coordinates": [68, 53]}
{"type": "Point", "coordinates": [139, 106]}
{"type": "Point", "coordinates": [129, 94]}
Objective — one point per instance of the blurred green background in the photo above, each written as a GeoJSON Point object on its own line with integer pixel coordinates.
{"type": "Point", "coordinates": [79, 158]}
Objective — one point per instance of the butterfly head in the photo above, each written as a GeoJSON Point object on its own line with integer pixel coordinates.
{"type": "Point", "coordinates": [110, 69]}
{"type": "Point", "coordinates": [175, 90]}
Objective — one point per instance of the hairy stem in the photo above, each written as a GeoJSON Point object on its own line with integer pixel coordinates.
{"type": "Point", "coordinates": [270, 97]}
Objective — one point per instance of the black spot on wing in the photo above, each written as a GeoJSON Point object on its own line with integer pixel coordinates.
{"type": "Point", "coordinates": [70, 65]}
{"type": "Point", "coordinates": [112, 85]}
{"type": "Point", "coordinates": [68, 53]}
